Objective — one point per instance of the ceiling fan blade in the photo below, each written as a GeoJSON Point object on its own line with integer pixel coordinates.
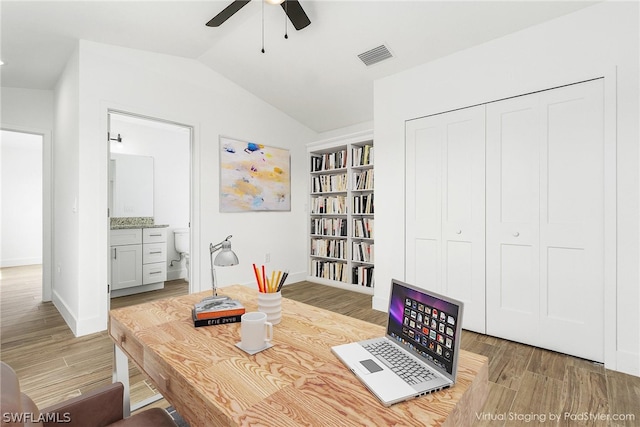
{"type": "Point", "coordinates": [227, 13]}
{"type": "Point", "coordinates": [296, 14]}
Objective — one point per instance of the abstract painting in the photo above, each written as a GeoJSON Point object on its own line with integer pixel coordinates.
{"type": "Point", "coordinates": [254, 177]}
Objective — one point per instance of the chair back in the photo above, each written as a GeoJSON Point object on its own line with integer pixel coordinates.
{"type": "Point", "coordinates": [17, 409]}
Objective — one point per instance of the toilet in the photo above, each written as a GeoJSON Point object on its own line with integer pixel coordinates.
{"type": "Point", "coordinates": [181, 243]}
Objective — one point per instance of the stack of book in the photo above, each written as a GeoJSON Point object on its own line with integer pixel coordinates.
{"type": "Point", "coordinates": [217, 311]}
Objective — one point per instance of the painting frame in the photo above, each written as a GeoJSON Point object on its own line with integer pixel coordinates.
{"type": "Point", "coordinates": [253, 177]}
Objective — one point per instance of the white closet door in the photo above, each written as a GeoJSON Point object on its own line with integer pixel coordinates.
{"type": "Point", "coordinates": [445, 196]}
{"type": "Point", "coordinates": [513, 219]}
{"type": "Point", "coordinates": [572, 220]}
{"type": "Point", "coordinates": [545, 223]}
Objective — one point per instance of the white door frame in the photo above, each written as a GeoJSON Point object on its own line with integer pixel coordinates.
{"type": "Point", "coordinates": [47, 203]}
{"type": "Point", "coordinates": [193, 244]}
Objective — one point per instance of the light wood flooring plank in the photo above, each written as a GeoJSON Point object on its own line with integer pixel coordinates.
{"type": "Point", "coordinates": [624, 398]}
{"type": "Point", "coordinates": [584, 393]}
{"type": "Point", "coordinates": [539, 399]}
{"type": "Point", "coordinates": [509, 363]}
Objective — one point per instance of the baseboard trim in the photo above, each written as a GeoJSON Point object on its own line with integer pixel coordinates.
{"type": "Point", "coordinates": [65, 312]}
{"type": "Point", "coordinates": [19, 262]}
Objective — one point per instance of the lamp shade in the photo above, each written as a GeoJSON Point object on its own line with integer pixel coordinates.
{"type": "Point", "coordinates": [226, 257]}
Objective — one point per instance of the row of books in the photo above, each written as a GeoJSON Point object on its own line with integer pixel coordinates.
{"type": "Point", "coordinates": [328, 183]}
{"type": "Point", "coordinates": [363, 228]}
{"type": "Point", "coordinates": [329, 270]}
{"type": "Point", "coordinates": [331, 248]}
{"type": "Point", "coordinates": [363, 276]}
{"type": "Point", "coordinates": [329, 161]}
{"type": "Point", "coordinates": [329, 205]}
{"type": "Point", "coordinates": [362, 155]}
{"type": "Point", "coordinates": [363, 180]}
{"type": "Point", "coordinates": [363, 252]}
{"type": "Point", "coordinates": [363, 204]}
{"type": "Point", "coordinates": [329, 227]}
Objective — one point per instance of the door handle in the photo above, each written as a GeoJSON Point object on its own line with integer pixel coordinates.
{"type": "Point", "coordinates": [516, 234]}
{"type": "Point", "coordinates": [459, 232]}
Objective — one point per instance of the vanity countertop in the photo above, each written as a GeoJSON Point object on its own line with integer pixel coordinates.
{"type": "Point", "coordinates": [134, 222]}
{"type": "Point", "coordinates": [130, 226]}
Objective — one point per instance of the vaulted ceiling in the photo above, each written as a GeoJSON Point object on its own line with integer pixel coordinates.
{"type": "Point", "coordinates": [315, 75]}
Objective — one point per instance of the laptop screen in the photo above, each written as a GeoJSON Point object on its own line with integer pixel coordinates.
{"type": "Point", "coordinates": [426, 323]}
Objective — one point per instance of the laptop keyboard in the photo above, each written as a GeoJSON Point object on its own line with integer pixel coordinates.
{"type": "Point", "coordinates": [404, 366]}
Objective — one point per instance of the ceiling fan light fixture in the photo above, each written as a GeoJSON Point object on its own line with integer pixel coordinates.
{"type": "Point", "coordinates": [276, 2]}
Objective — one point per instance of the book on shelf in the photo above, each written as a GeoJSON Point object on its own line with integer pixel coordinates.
{"type": "Point", "coordinates": [363, 252]}
{"type": "Point", "coordinates": [329, 183]}
{"type": "Point", "coordinates": [363, 228]}
{"type": "Point", "coordinates": [329, 227]}
{"type": "Point", "coordinates": [363, 204]}
{"type": "Point", "coordinates": [329, 205]}
{"type": "Point", "coordinates": [363, 180]}
{"type": "Point", "coordinates": [215, 321]}
{"type": "Point", "coordinates": [329, 270]}
{"type": "Point", "coordinates": [329, 161]}
{"type": "Point", "coordinates": [217, 307]}
{"type": "Point", "coordinates": [330, 248]}
{"type": "Point", "coordinates": [362, 156]}
{"type": "Point", "coordinates": [363, 276]}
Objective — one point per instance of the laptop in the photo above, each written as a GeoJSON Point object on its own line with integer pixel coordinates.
{"type": "Point", "coordinates": [418, 354]}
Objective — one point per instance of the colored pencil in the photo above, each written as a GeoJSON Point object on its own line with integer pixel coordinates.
{"type": "Point", "coordinates": [255, 271]}
{"type": "Point", "coordinates": [277, 282]}
{"type": "Point", "coordinates": [284, 277]}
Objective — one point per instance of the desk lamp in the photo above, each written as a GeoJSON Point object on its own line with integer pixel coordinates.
{"type": "Point", "coordinates": [225, 258]}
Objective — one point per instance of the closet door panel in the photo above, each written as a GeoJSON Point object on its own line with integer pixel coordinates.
{"type": "Point", "coordinates": [445, 208]}
{"type": "Point", "coordinates": [463, 212]}
{"type": "Point", "coordinates": [513, 181]}
{"type": "Point", "coordinates": [572, 220]}
{"type": "Point", "coordinates": [427, 271]}
{"type": "Point", "coordinates": [423, 216]}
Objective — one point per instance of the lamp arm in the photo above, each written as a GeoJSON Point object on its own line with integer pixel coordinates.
{"type": "Point", "coordinates": [214, 248]}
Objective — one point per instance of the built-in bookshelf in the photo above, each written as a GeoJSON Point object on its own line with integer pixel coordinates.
{"type": "Point", "coordinates": [341, 212]}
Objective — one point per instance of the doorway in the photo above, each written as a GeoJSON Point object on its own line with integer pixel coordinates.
{"type": "Point", "coordinates": [167, 146]}
{"type": "Point", "coordinates": [25, 228]}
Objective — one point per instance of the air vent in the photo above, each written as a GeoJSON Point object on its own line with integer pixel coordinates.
{"type": "Point", "coordinates": [375, 55]}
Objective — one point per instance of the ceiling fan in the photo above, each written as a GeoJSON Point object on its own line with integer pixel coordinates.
{"type": "Point", "coordinates": [292, 8]}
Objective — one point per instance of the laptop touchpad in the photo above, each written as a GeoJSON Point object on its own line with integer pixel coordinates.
{"type": "Point", "coordinates": [371, 366]}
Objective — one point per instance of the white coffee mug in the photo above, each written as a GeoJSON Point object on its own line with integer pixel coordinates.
{"type": "Point", "coordinates": [255, 331]}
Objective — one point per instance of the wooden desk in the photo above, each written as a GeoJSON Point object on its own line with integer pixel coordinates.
{"type": "Point", "coordinates": [296, 382]}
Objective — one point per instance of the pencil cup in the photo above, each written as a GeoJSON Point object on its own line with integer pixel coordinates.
{"type": "Point", "coordinates": [270, 303]}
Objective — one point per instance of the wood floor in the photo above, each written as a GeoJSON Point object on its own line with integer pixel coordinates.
{"type": "Point", "coordinates": [527, 385]}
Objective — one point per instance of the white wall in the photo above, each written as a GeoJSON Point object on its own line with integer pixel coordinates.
{"type": "Point", "coordinates": [21, 183]}
{"type": "Point", "coordinates": [27, 107]}
{"type": "Point", "coordinates": [590, 43]}
{"type": "Point", "coordinates": [183, 91]}
{"type": "Point", "coordinates": [66, 178]}
{"type": "Point", "coordinates": [169, 145]}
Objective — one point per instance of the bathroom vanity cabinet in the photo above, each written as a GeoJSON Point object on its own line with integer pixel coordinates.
{"type": "Point", "coordinates": [138, 260]}
{"type": "Point", "coordinates": [126, 258]}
